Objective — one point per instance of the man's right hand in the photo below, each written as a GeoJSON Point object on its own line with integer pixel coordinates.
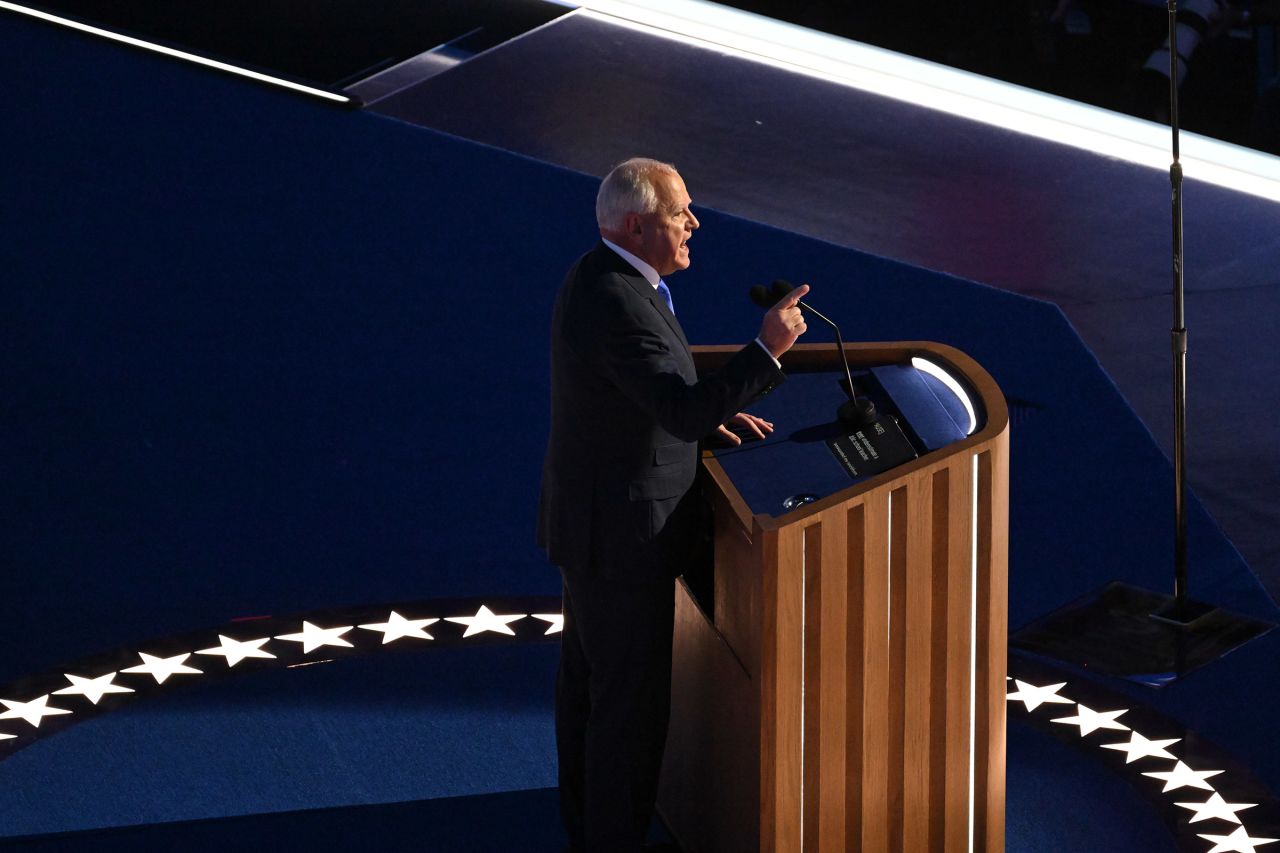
{"type": "Point", "coordinates": [783, 323]}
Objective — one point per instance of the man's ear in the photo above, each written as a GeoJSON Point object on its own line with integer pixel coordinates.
{"type": "Point", "coordinates": [633, 224]}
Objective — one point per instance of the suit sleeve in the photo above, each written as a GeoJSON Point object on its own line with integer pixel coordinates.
{"type": "Point", "coordinates": [631, 346]}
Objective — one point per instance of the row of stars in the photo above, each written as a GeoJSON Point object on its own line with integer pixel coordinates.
{"type": "Point", "coordinates": [311, 637]}
{"type": "Point", "coordinates": [1138, 747]}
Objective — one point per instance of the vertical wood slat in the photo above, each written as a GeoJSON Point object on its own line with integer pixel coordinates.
{"type": "Point", "coordinates": [899, 516]}
{"type": "Point", "coordinates": [833, 778]}
{"type": "Point", "coordinates": [992, 640]}
{"type": "Point", "coordinates": [812, 686]}
{"type": "Point", "coordinates": [855, 672]}
{"type": "Point", "coordinates": [958, 618]}
{"type": "Point", "coordinates": [781, 690]}
{"type": "Point", "coordinates": [875, 770]}
{"type": "Point", "coordinates": [916, 601]}
{"type": "Point", "coordinates": [939, 554]}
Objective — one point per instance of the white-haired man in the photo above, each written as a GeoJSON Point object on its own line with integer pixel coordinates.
{"type": "Point", "coordinates": [615, 514]}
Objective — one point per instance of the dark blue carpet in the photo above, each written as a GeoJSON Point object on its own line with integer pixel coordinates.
{"type": "Point", "coordinates": [264, 357]}
{"type": "Point", "coordinates": [485, 823]}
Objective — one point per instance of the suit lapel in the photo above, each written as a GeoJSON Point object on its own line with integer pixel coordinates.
{"type": "Point", "coordinates": [646, 290]}
{"type": "Point", "coordinates": [660, 305]}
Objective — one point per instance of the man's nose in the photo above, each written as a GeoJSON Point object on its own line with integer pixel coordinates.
{"type": "Point", "coordinates": [693, 223]}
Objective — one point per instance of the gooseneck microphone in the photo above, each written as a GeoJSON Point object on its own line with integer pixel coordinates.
{"type": "Point", "coordinates": [856, 411]}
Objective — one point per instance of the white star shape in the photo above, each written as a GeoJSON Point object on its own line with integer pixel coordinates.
{"type": "Point", "coordinates": [4, 736]}
{"type": "Point", "coordinates": [397, 626]}
{"type": "Point", "coordinates": [237, 650]}
{"type": "Point", "coordinates": [555, 622]}
{"type": "Point", "coordinates": [1237, 842]}
{"type": "Point", "coordinates": [486, 620]}
{"type": "Point", "coordinates": [1216, 807]}
{"type": "Point", "coordinates": [313, 637]}
{"type": "Point", "coordinates": [93, 689]}
{"type": "Point", "coordinates": [1139, 747]}
{"type": "Point", "coordinates": [161, 668]}
{"type": "Point", "coordinates": [33, 712]}
{"type": "Point", "coordinates": [1182, 776]}
{"type": "Point", "coordinates": [1090, 720]}
{"type": "Point", "coordinates": [1033, 697]}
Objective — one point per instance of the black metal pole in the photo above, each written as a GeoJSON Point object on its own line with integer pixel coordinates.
{"type": "Point", "coordinates": [1179, 339]}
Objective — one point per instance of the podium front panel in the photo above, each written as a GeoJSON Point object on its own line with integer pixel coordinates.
{"type": "Point", "coordinates": [858, 647]}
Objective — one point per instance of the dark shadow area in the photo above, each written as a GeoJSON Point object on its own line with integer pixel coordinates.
{"type": "Point", "coordinates": [1117, 631]}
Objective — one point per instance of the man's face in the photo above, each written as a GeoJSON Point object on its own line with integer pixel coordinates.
{"type": "Point", "coordinates": [663, 234]}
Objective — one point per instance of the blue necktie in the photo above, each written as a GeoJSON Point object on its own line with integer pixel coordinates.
{"type": "Point", "coordinates": [665, 292]}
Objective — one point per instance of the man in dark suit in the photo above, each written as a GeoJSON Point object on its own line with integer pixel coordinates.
{"type": "Point", "coordinates": [616, 514]}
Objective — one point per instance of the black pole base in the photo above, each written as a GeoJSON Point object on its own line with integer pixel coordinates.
{"type": "Point", "coordinates": [1136, 634]}
{"type": "Point", "coordinates": [1184, 614]}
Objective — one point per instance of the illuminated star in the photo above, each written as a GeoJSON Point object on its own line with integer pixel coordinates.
{"type": "Point", "coordinates": [313, 637]}
{"type": "Point", "coordinates": [161, 668]}
{"type": "Point", "coordinates": [33, 712]}
{"type": "Point", "coordinates": [1090, 720]}
{"type": "Point", "coordinates": [1139, 747]}
{"type": "Point", "coordinates": [397, 626]}
{"type": "Point", "coordinates": [93, 689]}
{"type": "Point", "coordinates": [486, 620]}
{"type": "Point", "coordinates": [555, 622]}
{"type": "Point", "coordinates": [237, 650]}
{"type": "Point", "coordinates": [4, 736]}
{"type": "Point", "coordinates": [1182, 776]}
{"type": "Point", "coordinates": [1033, 697]}
{"type": "Point", "coordinates": [1217, 807]}
{"type": "Point", "coordinates": [1237, 842]}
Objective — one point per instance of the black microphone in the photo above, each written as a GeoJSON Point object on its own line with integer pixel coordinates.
{"type": "Point", "coordinates": [856, 411]}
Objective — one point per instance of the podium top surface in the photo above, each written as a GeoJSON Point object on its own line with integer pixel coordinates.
{"type": "Point", "coordinates": [794, 467]}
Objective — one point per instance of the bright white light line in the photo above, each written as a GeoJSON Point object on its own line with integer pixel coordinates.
{"type": "Point", "coordinates": [973, 648]}
{"type": "Point", "coordinates": [926, 366]}
{"type": "Point", "coordinates": [947, 90]}
{"type": "Point", "coordinates": [804, 633]}
{"type": "Point", "coordinates": [177, 54]}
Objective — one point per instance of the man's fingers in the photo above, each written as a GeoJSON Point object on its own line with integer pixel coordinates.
{"type": "Point", "coordinates": [762, 426]}
{"type": "Point", "coordinates": [728, 434]}
{"type": "Point", "coordinates": [790, 300]}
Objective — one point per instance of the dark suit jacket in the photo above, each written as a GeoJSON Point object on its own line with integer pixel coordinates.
{"type": "Point", "coordinates": [627, 410]}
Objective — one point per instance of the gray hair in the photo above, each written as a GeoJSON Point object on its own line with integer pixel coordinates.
{"type": "Point", "coordinates": [628, 188]}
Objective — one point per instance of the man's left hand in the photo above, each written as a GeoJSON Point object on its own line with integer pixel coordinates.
{"type": "Point", "coordinates": [750, 423]}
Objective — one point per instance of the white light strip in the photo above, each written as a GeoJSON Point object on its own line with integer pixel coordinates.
{"type": "Point", "coordinates": [973, 648]}
{"type": "Point", "coordinates": [925, 366]}
{"type": "Point", "coordinates": [947, 90]}
{"type": "Point", "coordinates": [177, 54]}
{"type": "Point", "coordinates": [804, 642]}
{"type": "Point", "coordinates": [888, 588]}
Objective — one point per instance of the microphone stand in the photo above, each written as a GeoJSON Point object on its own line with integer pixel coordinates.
{"type": "Point", "coordinates": [1181, 610]}
{"type": "Point", "coordinates": [856, 410]}
{"type": "Point", "coordinates": [1124, 630]}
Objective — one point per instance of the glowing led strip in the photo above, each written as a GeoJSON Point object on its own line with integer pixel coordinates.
{"type": "Point", "coordinates": [973, 649]}
{"type": "Point", "coordinates": [925, 366]}
{"type": "Point", "coordinates": [947, 90]}
{"type": "Point", "coordinates": [176, 54]}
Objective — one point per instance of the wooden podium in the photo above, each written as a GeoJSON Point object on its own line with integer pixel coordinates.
{"type": "Point", "coordinates": [849, 694]}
